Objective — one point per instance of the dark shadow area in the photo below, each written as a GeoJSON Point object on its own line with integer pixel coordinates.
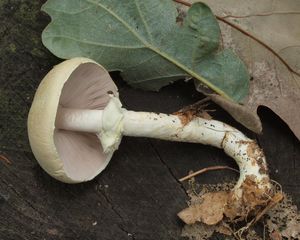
{"type": "Point", "coordinates": [282, 150]}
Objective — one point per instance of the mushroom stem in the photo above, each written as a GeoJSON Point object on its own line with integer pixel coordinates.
{"type": "Point", "coordinates": [246, 152]}
{"type": "Point", "coordinates": [79, 120]}
{"type": "Point", "coordinates": [171, 127]}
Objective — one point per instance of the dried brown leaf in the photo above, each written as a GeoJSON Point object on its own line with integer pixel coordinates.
{"type": "Point", "coordinates": [209, 211]}
{"type": "Point", "coordinates": [273, 85]}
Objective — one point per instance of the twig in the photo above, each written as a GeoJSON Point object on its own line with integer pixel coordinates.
{"type": "Point", "coordinates": [262, 14]}
{"type": "Point", "coordinates": [197, 105]}
{"type": "Point", "coordinates": [213, 168]}
{"type": "Point", "coordinates": [187, 114]}
{"type": "Point", "coordinates": [249, 35]}
{"type": "Point", "coordinates": [5, 159]}
{"type": "Point", "coordinates": [183, 3]}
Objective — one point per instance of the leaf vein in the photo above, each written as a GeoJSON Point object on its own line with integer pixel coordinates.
{"type": "Point", "coordinates": [96, 43]}
{"type": "Point", "coordinates": [130, 29]}
{"type": "Point", "coordinates": [142, 62]}
{"type": "Point", "coordinates": [69, 13]}
{"type": "Point", "coordinates": [143, 20]}
{"type": "Point", "coordinates": [160, 77]}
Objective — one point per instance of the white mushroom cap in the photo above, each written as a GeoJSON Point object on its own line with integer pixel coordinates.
{"type": "Point", "coordinates": [69, 156]}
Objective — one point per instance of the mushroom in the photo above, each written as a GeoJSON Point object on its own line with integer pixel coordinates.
{"type": "Point", "coordinates": [76, 122]}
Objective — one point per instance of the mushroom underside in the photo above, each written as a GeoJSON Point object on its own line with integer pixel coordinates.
{"type": "Point", "coordinates": [81, 153]}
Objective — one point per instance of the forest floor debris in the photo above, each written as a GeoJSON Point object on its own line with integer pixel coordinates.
{"type": "Point", "coordinates": [280, 219]}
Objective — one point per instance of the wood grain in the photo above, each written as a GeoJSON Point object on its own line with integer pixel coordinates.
{"type": "Point", "coordinates": [138, 195]}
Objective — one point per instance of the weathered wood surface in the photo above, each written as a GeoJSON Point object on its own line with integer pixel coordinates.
{"type": "Point", "coordinates": [138, 195]}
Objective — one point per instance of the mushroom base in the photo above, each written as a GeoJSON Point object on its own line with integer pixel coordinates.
{"type": "Point", "coordinates": [234, 206]}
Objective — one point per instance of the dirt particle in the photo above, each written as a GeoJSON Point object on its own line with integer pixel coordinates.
{"type": "Point", "coordinates": [5, 159]}
{"type": "Point", "coordinates": [224, 140]}
{"type": "Point", "coordinates": [52, 231]}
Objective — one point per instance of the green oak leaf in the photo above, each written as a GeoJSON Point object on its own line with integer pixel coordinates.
{"type": "Point", "coordinates": [142, 39]}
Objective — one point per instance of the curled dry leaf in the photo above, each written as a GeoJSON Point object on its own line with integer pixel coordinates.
{"type": "Point", "coordinates": [209, 211]}
{"type": "Point", "coordinates": [273, 85]}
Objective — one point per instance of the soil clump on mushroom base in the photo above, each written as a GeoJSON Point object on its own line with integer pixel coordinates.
{"type": "Point", "coordinates": [281, 221]}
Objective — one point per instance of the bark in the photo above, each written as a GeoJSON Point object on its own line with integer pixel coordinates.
{"type": "Point", "coordinates": [138, 195]}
